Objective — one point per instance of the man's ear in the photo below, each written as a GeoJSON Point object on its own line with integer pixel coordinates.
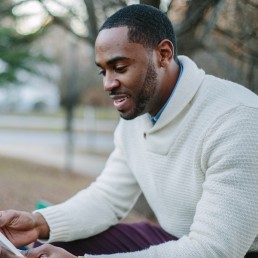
{"type": "Point", "coordinates": [165, 50]}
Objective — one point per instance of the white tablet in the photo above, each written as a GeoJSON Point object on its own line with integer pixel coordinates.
{"type": "Point", "coordinates": [8, 245]}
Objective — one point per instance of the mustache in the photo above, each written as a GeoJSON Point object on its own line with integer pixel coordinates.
{"type": "Point", "coordinates": [116, 92]}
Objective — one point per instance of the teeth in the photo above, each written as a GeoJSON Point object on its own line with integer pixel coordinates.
{"type": "Point", "coordinates": [121, 100]}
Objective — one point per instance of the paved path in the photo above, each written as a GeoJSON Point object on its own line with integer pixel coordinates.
{"type": "Point", "coordinates": [50, 147]}
{"type": "Point", "coordinates": [87, 164]}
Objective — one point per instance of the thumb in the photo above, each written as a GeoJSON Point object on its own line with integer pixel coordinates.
{"type": "Point", "coordinates": [37, 252]}
{"type": "Point", "coordinates": [5, 253]}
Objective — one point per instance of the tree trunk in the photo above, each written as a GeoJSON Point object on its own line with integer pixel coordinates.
{"type": "Point", "coordinates": [155, 3]}
{"type": "Point", "coordinates": [188, 40]}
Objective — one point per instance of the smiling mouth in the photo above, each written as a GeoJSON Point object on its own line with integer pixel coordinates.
{"type": "Point", "coordinates": [117, 101]}
{"type": "Point", "coordinates": [118, 96]}
{"type": "Point", "coordinates": [120, 100]}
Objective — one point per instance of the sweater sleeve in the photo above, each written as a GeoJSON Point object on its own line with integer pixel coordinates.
{"type": "Point", "coordinates": [226, 218]}
{"type": "Point", "coordinates": [96, 208]}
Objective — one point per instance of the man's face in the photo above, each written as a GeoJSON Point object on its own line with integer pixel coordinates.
{"type": "Point", "coordinates": [129, 73]}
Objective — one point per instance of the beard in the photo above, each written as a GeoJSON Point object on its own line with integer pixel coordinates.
{"type": "Point", "coordinates": [145, 94]}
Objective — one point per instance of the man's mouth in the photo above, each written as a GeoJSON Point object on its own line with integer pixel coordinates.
{"type": "Point", "coordinates": [120, 100]}
{"type": "Point", "coordinates": [117, 101]}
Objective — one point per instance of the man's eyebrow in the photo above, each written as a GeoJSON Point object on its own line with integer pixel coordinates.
{"type": "Point", "coordinates": [114, 60]}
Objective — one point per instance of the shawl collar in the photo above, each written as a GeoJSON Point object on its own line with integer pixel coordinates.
{"type": "Point", "coordinates": [187, 87]}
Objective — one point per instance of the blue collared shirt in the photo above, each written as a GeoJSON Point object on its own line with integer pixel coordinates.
{"type": "Point", "coordinates": [154, 119]}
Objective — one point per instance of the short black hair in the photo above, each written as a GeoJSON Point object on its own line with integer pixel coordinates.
{"type": "Point", "coordinates": [146, 24]}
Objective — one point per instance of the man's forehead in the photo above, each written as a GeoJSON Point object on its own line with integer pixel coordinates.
{"type": "Point", "coordinates": [112, 43]}
{"type": "Point", "coordinates": [117, 34]}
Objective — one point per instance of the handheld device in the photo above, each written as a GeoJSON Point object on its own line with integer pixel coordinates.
{"type": "Point", "coordinates": [7, 244]}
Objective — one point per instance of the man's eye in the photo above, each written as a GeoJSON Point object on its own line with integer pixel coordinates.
{"type": "Point", "coordinates": [120, 69]}
{"type": "Point", "coordinates": [102, 72]}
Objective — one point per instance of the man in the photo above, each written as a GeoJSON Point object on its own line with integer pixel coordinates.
{"type": "Point", "coordinates": [187, 140]}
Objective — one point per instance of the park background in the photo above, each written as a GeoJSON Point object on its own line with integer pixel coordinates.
{"type": "Point", "coordinates": [56, 123]}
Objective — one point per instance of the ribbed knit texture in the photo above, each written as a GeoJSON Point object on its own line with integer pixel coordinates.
{"type": "Point", "coordinates": [197, 167]}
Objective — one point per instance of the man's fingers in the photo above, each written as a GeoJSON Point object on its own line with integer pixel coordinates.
{"type": "Point", "coordinates": [47, 251]}
{"type": "Point", "coordinates": [4, 253]}
{"type": "Point", "coordinates": [33, 253]}
{"type": "Point", "coordinates": [38, 252]}
{"type": "Point", "coordinates": [6, 217]}
{"type": "Point", "coordinates": [3, 218]}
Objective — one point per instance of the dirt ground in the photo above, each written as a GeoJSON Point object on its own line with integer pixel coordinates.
{"type": "Point", "coordinates": [23, 184]}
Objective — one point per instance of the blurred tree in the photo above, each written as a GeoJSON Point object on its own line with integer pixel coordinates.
{"type": "Point", "coordinates": [201, 25]}
{"type": "Point", "coordinates": [15, 52]}
{"type": "Point", "coordinates": [155, 3]}
{"type": "Point", "coordinates": [221, 35]}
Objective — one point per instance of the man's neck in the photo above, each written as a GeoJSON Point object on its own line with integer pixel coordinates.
{"type": "Point", "coordinates": [156, 117]}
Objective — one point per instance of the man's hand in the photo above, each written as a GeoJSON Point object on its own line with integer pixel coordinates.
{"type": "Point", "coordinates": [45, 251]}
{"type": "Point", "coordinates": [4, 253]}
{"type": "Point", "coordinates": [23, 228]}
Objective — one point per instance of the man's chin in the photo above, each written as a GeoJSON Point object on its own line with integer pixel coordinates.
{"type": "Point", "coordinates": [127, 115]}
{"type": "Point", "coordinates": [130, 115]}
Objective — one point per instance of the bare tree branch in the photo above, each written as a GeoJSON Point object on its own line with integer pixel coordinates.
{"type": "Point", "coordinates": [69, 10]}
{"type": "Point", "coordinates": [212, 21]}
{"type": "Point", "coordinates": [194, 15]}
{"type": "Point", "coordinates": [61, 22]}
{"type": "Point", "coordinates": [238, 38]}
{"type": "Point", "coordinates": [92, 22]}
{"type": "Point", "coordinates": [6, 9]}
{"type": "Point", "coordinates": [188, 39]}
{"type": "Point", "coordinates": [65, 25]}
{"type": "Point", "coordinates": [250, 2]}
{"type": "Point", "coordinates": [155, 3]}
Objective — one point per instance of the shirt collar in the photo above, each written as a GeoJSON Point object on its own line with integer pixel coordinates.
{"type": "Point", "coordinates": [155, 118]}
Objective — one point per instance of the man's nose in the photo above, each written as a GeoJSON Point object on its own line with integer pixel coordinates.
{"type": "Point", "coordinates": [110, 82]}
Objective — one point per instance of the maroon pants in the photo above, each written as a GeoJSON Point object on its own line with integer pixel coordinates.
{"type": "Point", "coordinates": [122, 238]}
{"type": "Point", "coordinates": [119, 239]}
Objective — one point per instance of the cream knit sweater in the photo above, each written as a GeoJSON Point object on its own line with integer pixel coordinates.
{"type": "Point", "coordinates": [197, 167]}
